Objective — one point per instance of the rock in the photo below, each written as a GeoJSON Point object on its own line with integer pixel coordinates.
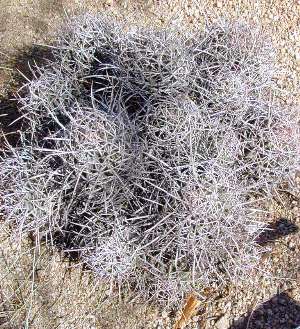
{"type": "Point", "coordinates": [292, 244]}
{"type": "Point", "coordinates": [223, 322]}
{"type": "Point", "coordinates": [228, 306]}
{"type": "Point", "coordinates": [164, 315]}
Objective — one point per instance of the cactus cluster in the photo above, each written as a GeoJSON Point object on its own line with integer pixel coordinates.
{"type": "Point", "coordinates": [143, 151]}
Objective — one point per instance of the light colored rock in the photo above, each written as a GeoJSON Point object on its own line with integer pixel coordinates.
{"type": "Point", "coordinates": [223, 322]}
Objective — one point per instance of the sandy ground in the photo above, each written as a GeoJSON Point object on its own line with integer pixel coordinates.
{"type": "Point", "coordinates": [50, 292]}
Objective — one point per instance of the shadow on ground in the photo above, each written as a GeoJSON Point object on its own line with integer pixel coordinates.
{"type": "Point", "coordinates": [280, 312]}
{"type": "Point", "coordinates": [23, 67]}
{"type": "Point", "coordinates": [274, 231]}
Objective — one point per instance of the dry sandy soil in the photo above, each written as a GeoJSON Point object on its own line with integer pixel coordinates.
{"type": "Point", "coordinates": [41, 290]}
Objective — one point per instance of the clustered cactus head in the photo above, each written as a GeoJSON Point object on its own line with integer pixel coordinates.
{"type": "Point", "coordinates": [143, 150]}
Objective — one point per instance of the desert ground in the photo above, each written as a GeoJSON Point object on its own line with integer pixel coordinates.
{"type": "Point", "coordinates": [40, 289]}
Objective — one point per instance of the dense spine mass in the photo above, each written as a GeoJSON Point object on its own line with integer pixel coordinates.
{"type": "Point", "coordinates": [143, 150]}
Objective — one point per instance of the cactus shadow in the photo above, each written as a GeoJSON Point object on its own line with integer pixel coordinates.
{"type": "Point", "coordinates": [274, 231]}
{"type": "Point", "coordinates": [23, 66]}
{"type": "Point", "coordinates": [280, 312]}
